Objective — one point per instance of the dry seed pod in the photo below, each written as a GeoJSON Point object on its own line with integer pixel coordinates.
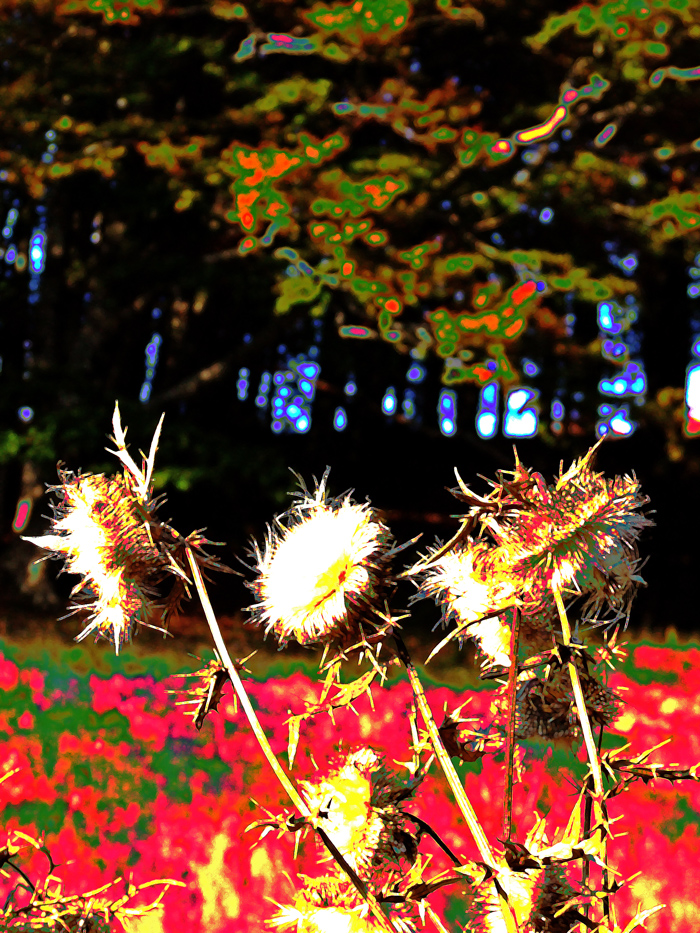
{"type": "Point", "coordinates": [545, 704]}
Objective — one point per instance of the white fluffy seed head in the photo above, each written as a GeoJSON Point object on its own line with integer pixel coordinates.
{"type": "Point", "coordinates": [316, 571]}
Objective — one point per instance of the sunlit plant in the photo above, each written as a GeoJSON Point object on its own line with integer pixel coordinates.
{"type": "Point", "coordinates": [532, 568]}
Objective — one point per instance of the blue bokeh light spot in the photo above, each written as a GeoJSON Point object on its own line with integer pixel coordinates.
{"type": "Point", "coordinates": [490, 393]}
{"type": "Point", "coordinates": [340, 419]}
{"type": "Point", "coordinates": [692, 388]}
{"type": "Point", "coordinates": [486, 424]}
{"type": "Point", "coordinates": [389, 401]}
{"type": "Point", "coordinates": [447, 412]}
{"type": "Point", "coordinates": [310, 370]}
{"type": "Point", "coordinates": [629, 263]}
{"type": "Point", "coordinates": [520, 418]}
{"type": "Point", "coordinates": [416, 373]}
{"type": "Point", "coordinates": [37, 251]}
{"type": "Point", "coordinates": [242, 383]}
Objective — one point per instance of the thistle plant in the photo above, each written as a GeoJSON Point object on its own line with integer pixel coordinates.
{"type": "Point", "coordinates": [532, 569]}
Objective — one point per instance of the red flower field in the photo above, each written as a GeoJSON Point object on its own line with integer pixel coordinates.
{"type": "Point", "coordinates": [120, 783]}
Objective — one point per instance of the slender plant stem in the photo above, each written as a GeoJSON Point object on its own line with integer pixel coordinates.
{"type": "Point", "coordinates": [19, 871]}
{"type": "Point", "coordinates": [588, 810]}
{"type": "Point", "coordinates": [593, 754]}
{"type": "Point", "coordinates": [444, 759]}
{"type": "Point", "coordinates": [453, 780]}
{"type": "Point", "coordinates": [266, 748]}
{"type": "Point", "coordinates": [580, 701]}
{"type": "Point", "coordinates": [510, 732]}
{"type": "Point", "coordinates": [606, 877]}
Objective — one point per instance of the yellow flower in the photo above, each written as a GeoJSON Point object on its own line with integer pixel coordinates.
{"type": "Point", "coordinates": [323, 571]}
{"type": "Point", "coordinates": [359, 804]}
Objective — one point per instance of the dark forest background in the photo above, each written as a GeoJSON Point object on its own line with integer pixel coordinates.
{"type": "Point", "coordinates": [197, 193]}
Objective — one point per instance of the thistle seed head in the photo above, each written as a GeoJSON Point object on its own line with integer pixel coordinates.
{"type": "Point", "coordinates": [106, 531]}
{"type": "Point", "coordinates": [101, 530]}
{"type": "Point", "coordinates": [322, 571]}
{"type": "Point", "coordinates": [578, 534]}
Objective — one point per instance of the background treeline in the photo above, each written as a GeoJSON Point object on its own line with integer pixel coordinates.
{"type": "Point", "coordinates": [167, 151]}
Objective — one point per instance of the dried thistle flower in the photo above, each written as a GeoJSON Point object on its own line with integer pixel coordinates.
{"type": "Point", "coordinates": [327, 905]}
{"type": "Point", "coordinates": [535, 895]}
{"type": "Point", "coordinates": [102, 535]}
{"type": "Point", "coordinates": [545, 704]}
{"type": "Point", "coordinates": [614, 585]}
{"type": "Point", "coordinates": [579, 533]}
{"type": "Point", "coordinates": [323, 571]}
{"type": "Point", "coordinates": [106, 531]}
{"type": "Point", "coordinates": [534, 882]}
{"type": "Point", "coordinates": [359, 804]}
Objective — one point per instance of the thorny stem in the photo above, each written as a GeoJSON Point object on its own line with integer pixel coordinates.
{"type": "Point", "coordinates": [266, 748]}
{"type": "Point", "coordinates": [606, 899]}
{"type": "Point", "coordinates": [593, 754]}
{"type": "Point", "coordinates": [510, 732]}
{"type": "Point", "coordinates": [453, 780]}
{"type": "Point", "coordinates": [586, 830]}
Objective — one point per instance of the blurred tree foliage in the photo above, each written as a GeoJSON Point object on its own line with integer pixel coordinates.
{"type": "Point", "coordinates": [384, 167]}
